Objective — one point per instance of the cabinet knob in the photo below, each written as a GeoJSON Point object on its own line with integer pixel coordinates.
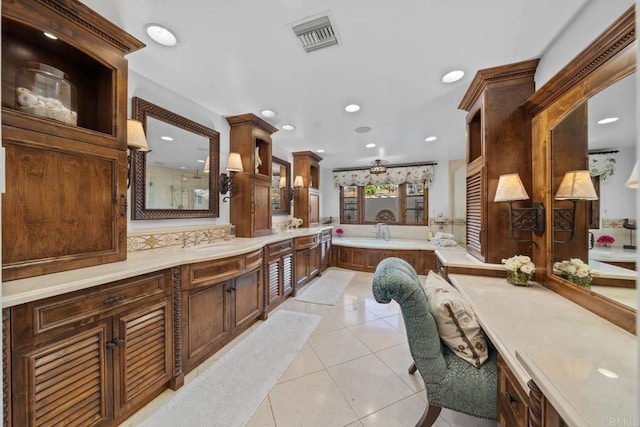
{"type": "Point", "coordinates": [510, 398]}
{"type": "Point", "coordinates": [111, 345]}
{"type": "Point", "coordinates": [119, 342]}
{"type": "Point", "coordinates": [114, 298]}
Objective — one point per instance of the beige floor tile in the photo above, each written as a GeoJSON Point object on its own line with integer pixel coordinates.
{"type": "Point", "coordinates": [383, 310]}
{"type": "Point", "coordinates": [337, 347]}
{"type": "Point", "coordinates": [400, 414]}
{"type": "Point", "coordinates": [397, 322]}
{"type": "Point", "coordinates": [398, 359]}
{"type": "Point", "coordinates": [378, 335]}
{"type": "Point", "coordinates": [305, 307]}
{"type": "Point", "coordinates": [457, 419]}
{"type": "Point", "coordinates": [263, 417]}
{"type": "Point", "coordinates": [368, 384]}
{"type": "Point", "coordinates": [352, 314]}
{"type": "Point", "coordinates": [356, 424]}
{"type": "Point", "coordinates": [313, 400]}
{"type": "Point", "coordinates": [306, 362]}
{"type": "Point", "coordinates": [144, 413]}
{"type": "Point", "coordinates": [328, 323]}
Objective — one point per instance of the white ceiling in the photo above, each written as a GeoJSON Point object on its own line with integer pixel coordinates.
{"type": "Point", "coordinates": [241, 56]}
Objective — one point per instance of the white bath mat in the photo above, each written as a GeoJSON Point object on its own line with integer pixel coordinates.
{"type": "Point", "coordinates": [229, 392]}
{"type": "Point", "coordinates": [327, 288]}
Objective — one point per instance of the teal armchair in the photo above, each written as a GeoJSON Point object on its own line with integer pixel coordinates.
{"type": "Point", "coordinates": [450, 381]}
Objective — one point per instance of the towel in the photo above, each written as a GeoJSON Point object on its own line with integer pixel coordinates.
{"type": "Point", "coordinates": [444, 242]}
{"type": "Point", "coordinates": [440, 235]}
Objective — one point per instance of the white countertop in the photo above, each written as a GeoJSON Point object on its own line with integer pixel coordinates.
{"type": "Point", "coordinates": [373, 243]}
{"type": "Point", "coordinates": [140, 262]}
{"type": "Point", "coordinates": [614, 254]}
{"type": "Point", "coordinates": [564, 348]}
{"type": "Point", "coordinates": [458, 257]}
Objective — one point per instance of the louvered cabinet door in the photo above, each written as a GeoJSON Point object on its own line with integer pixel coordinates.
{"type": "Point", "coordinates": [476, 223]}
{"type": "Point", "coordinates": [65, 381]}
{"type": "Point", "coordinates": [274, 285]}
{"type": "Point", "coordinates": [287, 274]}
{"type": "Point", "coordinates": [142, 346]}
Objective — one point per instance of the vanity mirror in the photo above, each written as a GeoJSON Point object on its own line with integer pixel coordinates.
{"type": "Point", "coordinates": [178, 177]}
{"type": "Point", "coordinates": [562, 137]}
{"type": "Point", "coordinates": [280, 186]}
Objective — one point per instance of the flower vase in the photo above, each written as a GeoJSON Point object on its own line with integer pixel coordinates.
{"type": "Point", "coordinates": [584, 282]}
{"type": "Point", "coordinates": [518, 278]}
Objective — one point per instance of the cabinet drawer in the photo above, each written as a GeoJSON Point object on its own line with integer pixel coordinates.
{"type": "Point", "coordinates": [253, 260]}
{"type": "Point", "coordinates": [35, 320]}
{"type": "Point", "coordinates": [306, 241]}
{"type": "Point", "coordinates": [205, 273]}
{"type": "Point", "coordinates": [513, 408]}
{"type": "Point", "coordinates": [279, 248]}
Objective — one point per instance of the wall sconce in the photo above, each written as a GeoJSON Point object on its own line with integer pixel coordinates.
{"type": "Point", "coordinates": [227, 183]}
{"type": "Point", "coordinates": [575, 186]}
{"type": "Point", "coordinates": [136, 141]}
{"type": "Point", "coordinates": [510, 189]}
{"type": "Point", "coordinates": [298, 183]}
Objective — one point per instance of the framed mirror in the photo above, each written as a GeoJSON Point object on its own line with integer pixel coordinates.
{"type": "Point", "coordinates": [280, 186]}
{"type": "Point", "coordinates": [178, 177]}
{"type": "Point", "coordinates": [562, 138]}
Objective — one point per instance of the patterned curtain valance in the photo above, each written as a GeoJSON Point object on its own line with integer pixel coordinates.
{"type": "Point", "coordinates": [602, 165]}
{"type": "Point", "coordinates": [394, 175]}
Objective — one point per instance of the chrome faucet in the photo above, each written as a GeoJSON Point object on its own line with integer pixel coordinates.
{"type": "Point", "coordinates": [382, 234]}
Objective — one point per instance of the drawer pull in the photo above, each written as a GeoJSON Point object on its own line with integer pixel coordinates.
{"type": "Point", "coordinates": [114, 298]}
{"type": "Point", "coordinates": [114, 344]}
{"type": "Point", "coordinates": [510, 398]}
{"type": "Point", "coordinates": [111, 345]}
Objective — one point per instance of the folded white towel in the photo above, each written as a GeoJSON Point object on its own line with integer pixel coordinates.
{"type": "Point", "coordinates": [444, 242]}
{"type": "Point", "coordinates": [441, 235]}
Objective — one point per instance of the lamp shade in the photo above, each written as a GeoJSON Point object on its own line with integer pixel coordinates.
{"type": "Point", "coordinates": [135, 136]}
{"type": "Point", "coordinates": [576, 185]}
{"type": "Point", "coordinates": [632, 182]}
{"type": "Point", "coordinates": [234, 163]}
{"type": "Point", "coordinates": [283, 182]}
{"type": "Point", "coordinates": [510, 188]}
{"type": "Point", "coordinates": [298, 183]}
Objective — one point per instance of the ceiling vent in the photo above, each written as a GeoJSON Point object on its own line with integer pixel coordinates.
{"type": "Point", "coordinates": [316, 34]}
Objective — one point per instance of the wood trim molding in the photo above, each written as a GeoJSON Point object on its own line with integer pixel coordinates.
{"type": "Point", "coordinates": [178, 374]}
{"type": "Point", "coordinates": [6, 368]}
{"type": "Point", "coordinates": [251, 119]}
{"type": "Point", "coordinates": [615, 38]}
{"type": "Point", "coordinates": [517, 70]}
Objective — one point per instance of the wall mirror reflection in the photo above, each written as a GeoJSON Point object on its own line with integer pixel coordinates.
{"type": "Point", "coordinates": [280, 186]}
{"type": "Point", "coordinates": [177, 178]}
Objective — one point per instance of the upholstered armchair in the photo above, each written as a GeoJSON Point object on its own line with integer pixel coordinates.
{"type": "Point", "coordinates": [450, 381]}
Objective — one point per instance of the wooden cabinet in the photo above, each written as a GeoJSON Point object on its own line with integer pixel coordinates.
{"type": "Point", "coordinates": [220, 299]}
{"type": "Point", "coordinates": [307, 206]}
{"type": "Point", "coordinates": [367, 259]}
{"type": "Point", "coordinates": [513, 401]}
{"type": "Point", "coordinates": [325, 250]}
{"type": "Point", "coordinates": [541, 411]}
{"type": "Point", "coordinates": [497, 128]}
{"type": "Point", "coordinates": [92, 357]}
{"type": "Point", "coordinates": [307, 259]}
{"type": "Point", "coordinates": [66, 200]}
{"type": "Point", "coordinates": [279, 274]}
{"type": "Point", "coordinates": [250, 209]}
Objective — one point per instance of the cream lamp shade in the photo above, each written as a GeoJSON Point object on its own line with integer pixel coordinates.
{"type": "Point", "coordinates": [135, 136]}
{"type": "Point", "coordinates": [510, 188]}
{"type": "Point", "coordinates": [298, 183]}
{"type": "Point", "coordinates": [234, 163]}
{"type": "Point", "coordinates": [283, 182]}
{"type": "Point", "coordinates": [632, 182]}
{"type": "Point", "coordinates": [576, 185]}
{"type": "Point", "coordinates": [207, 165]}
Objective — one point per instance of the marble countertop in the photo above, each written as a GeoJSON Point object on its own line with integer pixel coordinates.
{"type": "Point", "coordinates": [34, 288]}
{"type": "Point", "coordinates": [458, 257]}
{"type": "Point", "coordinates": [614, 254]}
{"type": "Point", "coordinates": [585, 365]}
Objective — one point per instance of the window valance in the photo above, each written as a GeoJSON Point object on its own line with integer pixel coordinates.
{"type": "Point", "coordinates": [602, 165]}
{"type": "Point", "coordinates": [393, 175]}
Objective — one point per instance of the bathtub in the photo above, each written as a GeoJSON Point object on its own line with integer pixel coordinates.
{"type": "Point", "coordinates": [371, 243]}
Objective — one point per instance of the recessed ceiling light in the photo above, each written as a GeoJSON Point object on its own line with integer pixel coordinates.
{"type": "Point", "coordinates": [452, 76]}
{"type": "Point", "coordinates": [370, 145]}
{"type": "Point", "coordinates": [201, 161]}
{"type": "Point", "coordinates": [363, 129]}
{"type": "Point", "coordinates": [166, 138]}
{"type": "Point", "coordinates": [268, 113]}
{"type": "Point", "coordinates": [161, 35]}
{"type": "Point", "coordinates": [607, 373]}
{"type": "Point", "coordinates": [51, 36]}
{"type": "Point", "coordinates": [352, 108]}
{"type": "Point", "coordinates": [608, 120]}
{"type": "Point", "coordinates": [288, 127]}
{"type": "Point", "coordinates": [320, 150]}
{"type": "Point", "coordinates": [431, 138]}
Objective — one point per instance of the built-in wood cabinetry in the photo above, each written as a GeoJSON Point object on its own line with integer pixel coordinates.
{"type": "Point", "coordinates": [65, 204]}
{"type": "Point", "coordinates": [279, 272]}
{"type": "Point", "coordinates": [250, 210]}
{"type": "Point", "coordinates": [497, 128]}
{"type": "Point", "coordinates": [220, 299]}
{"type": "Point", "coordinates": [367, 259]}
{"type": "Point", "coordinates": [513, 401]}
{"type": "Point", "coordinates": [307, 206]}
{"type": "Point", "coordinates": [325, 249]}
{"type": "Point", "coordinates": [307, 262]}
{"type": "Point", "coordinates": [92, 357]}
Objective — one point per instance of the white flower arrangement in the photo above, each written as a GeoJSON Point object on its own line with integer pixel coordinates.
{"type": "Point", "coordinates": [519, 268]}
{"type": "Point", "coordinates": [575, 270]}
{"type": "Point", "coordinates": [296, 222]}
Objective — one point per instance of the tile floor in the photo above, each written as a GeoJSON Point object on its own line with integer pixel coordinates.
{"type": "Point", "coordinates": [352, 371]}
